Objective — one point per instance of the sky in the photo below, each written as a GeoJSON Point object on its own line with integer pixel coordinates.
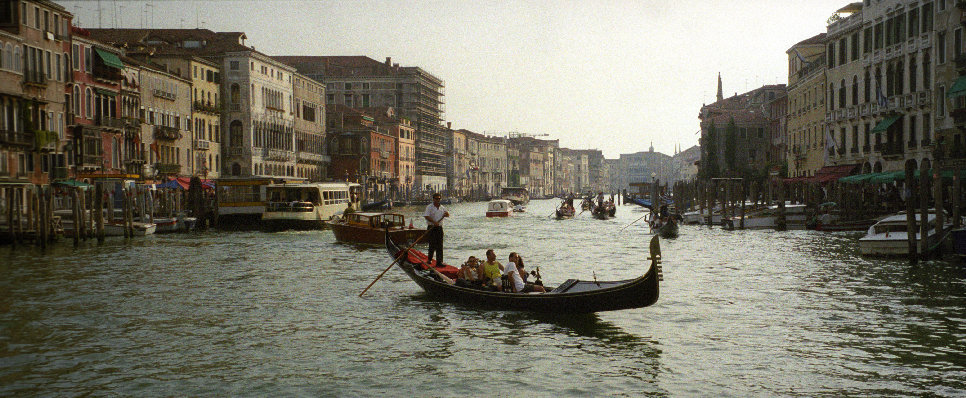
{"type": "Point", "coordinates": [606, 74]}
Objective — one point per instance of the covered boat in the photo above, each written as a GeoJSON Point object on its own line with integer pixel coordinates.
{"type": "Point", "coordinates": [571, 297]}
{"type": "Point", "coordinates": [889, 236]}
{"type": "Point", "coordinates": [372, 227]}
{"type": "Point", "coordinates": [499, 208]}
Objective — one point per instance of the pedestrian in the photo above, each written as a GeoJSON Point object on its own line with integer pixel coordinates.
{"type": "Point", "coordinates": [434, 215]}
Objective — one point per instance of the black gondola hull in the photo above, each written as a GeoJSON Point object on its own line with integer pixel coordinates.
{"type": "Point", "coordinates": [571, 297]}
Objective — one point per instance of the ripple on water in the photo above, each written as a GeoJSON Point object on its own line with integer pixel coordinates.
{"type": "Point", "coordinates": [250, 313]}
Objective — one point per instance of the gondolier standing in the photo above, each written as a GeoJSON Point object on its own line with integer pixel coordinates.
{"type": "Point", "coordinates": [434, 215]}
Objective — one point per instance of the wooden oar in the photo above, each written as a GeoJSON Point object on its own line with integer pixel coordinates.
{"type": "Point", "coordinates": [404, 252]}
{"type": "Point", "coordinates": [639, 219]}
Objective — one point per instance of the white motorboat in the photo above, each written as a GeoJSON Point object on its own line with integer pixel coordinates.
{"type": "Point", "coordinates": [701, 217]}
{"type": "Point", "coordinates": [767, 218]}
{"type": "Point", "coordinates": [499, 208]}
{"type": "Point", "coordinates": [889, 236]}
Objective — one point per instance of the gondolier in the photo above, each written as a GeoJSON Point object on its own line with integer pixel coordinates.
{"type": "Point", "coordinates": [434, 215]}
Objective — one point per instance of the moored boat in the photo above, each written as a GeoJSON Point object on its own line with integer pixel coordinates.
{"type": "Point", "coordinates": [571, 297]}
{"type": "Point", "coordinates": [767, 218]}
{"type": "Point", "coordinates": [372, 227]}
{"type": "Point", "coordinates": [499, 208]}
{"type": "Point", "coordinates": [889, 236]}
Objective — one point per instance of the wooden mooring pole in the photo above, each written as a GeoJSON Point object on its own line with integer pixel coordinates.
{"type": "Point", "coordinates": [911, 212]}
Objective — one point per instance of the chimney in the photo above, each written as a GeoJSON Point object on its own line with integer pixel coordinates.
{"type": "Point", "coordinates": [449, 125]}
{"type": "Point", "coordinates": [388, 61]}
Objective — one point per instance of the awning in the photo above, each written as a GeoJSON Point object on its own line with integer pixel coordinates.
{"type": "Point", "coordinates": [73, 183]}
{"type": "Point", "coordinates": [831, 173]}
{"type": "Point", "coordinates": [884, 124]}
{"type": "Point", "coordinates": [110, 59]}
{"type": "Point", "coordinates": [958, 89]}
{"type": "Point", "coordinates": [184, 183]}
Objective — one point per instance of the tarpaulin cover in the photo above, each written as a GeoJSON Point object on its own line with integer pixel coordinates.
{"type": "Point", "coordinates": [184, 183]}
{"type": "Point", "coordinates": [73, 183]}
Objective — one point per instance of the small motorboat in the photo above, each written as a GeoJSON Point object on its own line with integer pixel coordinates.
{"type": "Point", "coordinates": [889, 236]}
{"type": "Point", "coordinates": [499, 208]}
{"type": "Point", "coordinates": [519, 208]}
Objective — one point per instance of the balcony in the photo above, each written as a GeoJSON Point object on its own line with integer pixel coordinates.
{"type": "Point", "coordinates": [16, 138]}
{"type": "Point", "coordinates": [206, 107]}
{"type": "Point", "coordinates": [166, 133]}
{"type": "Point", "coordinates": [891, 150]}
{"type": "Point", "coordinates": [34, 78]}
{"type": "Point", "coordinates": [280, 155]}
{"type": "Point", "coordinates": [58, 173]}
{"type": "Point", "coordinates": [130, 121]}
{"type": "Point", "coordinates": [164, 94]}
{"type": "Point", "coordinates": [110, 122]}
{"type": "Point", "coordinates": [91, 161]}
{"type": "Point", "coordinates": [235, 107]}
{"type": "Point", "coordinates": [167, 168]}
{"type": "Point", "coordinates": [237, 151]}
{"type": "Point", "coordinates": [959, 115]}
{"type": "Point", "coordinates": [201, 145]}
{"type": "Point", "coordinates": [310, 157]}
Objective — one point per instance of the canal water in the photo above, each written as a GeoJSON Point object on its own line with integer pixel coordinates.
{"type": "Point", "coordinates": [741, 313]}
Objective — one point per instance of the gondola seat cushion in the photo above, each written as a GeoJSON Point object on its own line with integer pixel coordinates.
{"type": "Point", "coordinates": [419, 259]}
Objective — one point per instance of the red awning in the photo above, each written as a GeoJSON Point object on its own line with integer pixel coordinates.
{"type": "Point", "coordinates": [832, 173]}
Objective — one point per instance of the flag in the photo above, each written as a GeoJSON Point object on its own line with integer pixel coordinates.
{"type": "Point", "coordinates": [881, 98]}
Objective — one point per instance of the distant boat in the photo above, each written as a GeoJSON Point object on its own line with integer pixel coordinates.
{"type": "Point", "coordinates": [499, 208]}
{"type": "Point", "coordinates": [371, 228]}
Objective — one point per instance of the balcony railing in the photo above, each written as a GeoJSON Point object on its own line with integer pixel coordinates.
{"type": "Point", "coordinates": [277, 154]}
{"type": "Point", "coordinates": [310, 157]}
{"type": "Point", "coordinates": [206, 106]}
{"type": "Point", "coordinates": [16, 138]}
{"type": "Point", "coordinates": [892, 149]}
{"type": "Point", "coordinates": [36, 78]}
{"type": "Point", "coordinates": [58, 173]}
{"type": "Point", "coordinates": [236, 151]}
{"type": "Point", "coordinates": [164, 94]}
{"type": "Point", "coordinates": [235, 107]}
{"type": "Point", "coordinates": [167, 168]}
{"type": "Point", "coordinates": [201, 145]}
{"type": "Point", "coordinates": [111, 122]}
{"type": "Point", "coordinates": [94, 161]}
{"type": "Point", "coordinates": [166, 133]}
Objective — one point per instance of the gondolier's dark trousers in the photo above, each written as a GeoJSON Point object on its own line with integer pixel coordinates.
{"type": "Point", "coordinates": [436, 244]}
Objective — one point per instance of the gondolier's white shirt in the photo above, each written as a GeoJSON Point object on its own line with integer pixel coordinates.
{"type": "Point", "coordinates": [435, 214]}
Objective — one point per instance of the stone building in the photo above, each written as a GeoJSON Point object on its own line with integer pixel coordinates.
{"type": "Point", "coordinates": [748, 111]}
{"type": "Point", "coordinates": [166, 107]}
{"type": "Point", "coordinates": [310, 156]}
{"type": "Point", "coordinates": [805, 127]}
{"type": "Point", "coordinates": [360, 150]}
{"type": "Point", "coordinates": [361, 82]}
{"type": "Point", "coordinates": [35, 42]}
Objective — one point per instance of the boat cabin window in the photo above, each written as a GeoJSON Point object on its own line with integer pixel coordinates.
{"type": "Point", "coordinates": [335, 197]}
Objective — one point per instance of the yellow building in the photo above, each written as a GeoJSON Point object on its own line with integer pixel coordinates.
{"type": "Point", "coordinates": [204, 153]}
{"type": "Point", "coordinates": [806, 107]}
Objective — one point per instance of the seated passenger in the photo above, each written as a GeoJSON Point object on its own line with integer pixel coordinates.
{"type": "Point", "coordinates": [469, 274]}
{"type": "Point", "coordinates": [349, 209]}
{"type": "Point", "coordinates": [492, 270]}
{"type": "Point", "coordinates": [513, 273]}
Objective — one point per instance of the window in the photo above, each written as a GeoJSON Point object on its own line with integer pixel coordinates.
{"type": "Point", "coordinates": [855, 46]}
{"type": "Point", "coordinates": [957, 42]}
{"type": "Point", "coordinates": [88, 60]}
{"type": "Point", "coordinates": [941, 104]}
{"type": "Point", "coordinates": [77, 102]}
{"type": "Point", "coordinates": [90, 103]}
{"type": "Point", "coordinates": [348, 100]}
{"type": "Point", "coordinates": [49, 70]}
{"type": "Point", "coordinates": [59, 71]}
{"type": "Point", "coordinates": [348, 86]}
{"type": "Point", "coordinates": [233, 65]}
{"type": "Point", "coordinates": [74, 54]}
{"type": "Point", "coordinates": [940, 47]}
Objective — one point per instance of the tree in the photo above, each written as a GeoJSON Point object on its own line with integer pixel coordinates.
{"type": "Point", "coordinates": [731, 147]}
{"type": "Point", "coordinates": [709, 143]}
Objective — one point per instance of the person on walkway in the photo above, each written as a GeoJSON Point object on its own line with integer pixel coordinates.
{"type": "Point", "coordinates": [434, 215]}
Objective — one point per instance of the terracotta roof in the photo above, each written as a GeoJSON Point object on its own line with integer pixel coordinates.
{"type": "Point", "coordinates": [352, 65]}
{"type": "Point", "coordinates": [170, 41]}
{"type": "Point", "coordinates": [817, 39]}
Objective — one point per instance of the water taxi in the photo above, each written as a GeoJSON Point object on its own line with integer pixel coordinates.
{"type": "Point", "coordinates": [241, 200]}
{"type": "Point", "coordinates": [499, 208]}
{"type": "Point", "coordinates": [517, 195]}
{"type": "Point", "coordinates": [371, 228]}
{"type": "Point", "coordinates": [307, 205]}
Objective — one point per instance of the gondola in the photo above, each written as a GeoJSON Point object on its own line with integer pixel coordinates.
{"type": "Point", "coordinates": [571, 297]}
{"type": "Point", "coordinates": [669, 229]}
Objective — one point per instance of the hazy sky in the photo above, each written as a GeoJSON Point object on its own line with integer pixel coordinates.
{"type": "Point", "coordinates": [612, 75]}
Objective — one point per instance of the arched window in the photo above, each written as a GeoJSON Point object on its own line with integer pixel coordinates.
{"type": "Point", "coordinates": [912, 73]}
{"type": "Point", "coordinates": [855, 90]}
{"type": "Point", "coordinates": [868, 86]}
{"type": "Point", "coordinates": [899, 77]}
{"type": "Point", "coordinates": [90, 102]}
{"type": "Point", "coordinates": [235, 138]}
{"type": "Point", "coordinates": [77, 102]}
{"type": "Point", "coordinates": [16, 59]}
